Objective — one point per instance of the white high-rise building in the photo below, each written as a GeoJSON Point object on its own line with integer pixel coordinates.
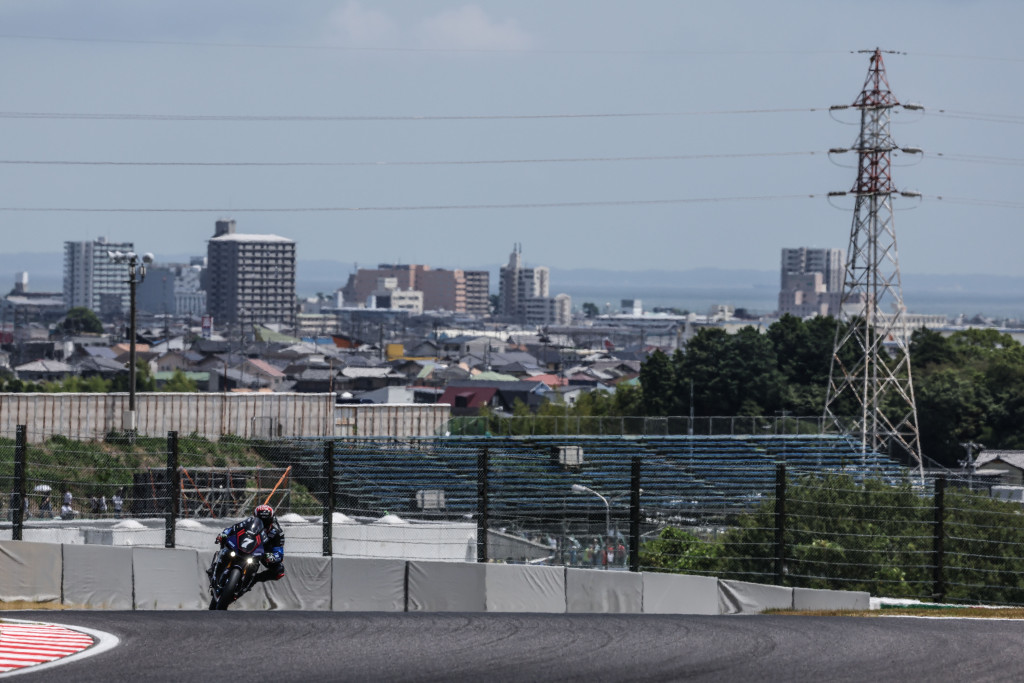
{"type": "Point", "coordinates": [92, 280]}
{"type": "Point", "coordinates": [811, 282]}
{"type": "Point", "coordinates": [517, 285]}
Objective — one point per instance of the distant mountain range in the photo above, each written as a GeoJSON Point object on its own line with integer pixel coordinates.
{"type": "Point", "coordinates": [693, 289]}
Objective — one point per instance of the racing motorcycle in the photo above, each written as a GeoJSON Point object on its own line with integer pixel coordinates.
{"type": "Point", "coordinates": [237, 564]}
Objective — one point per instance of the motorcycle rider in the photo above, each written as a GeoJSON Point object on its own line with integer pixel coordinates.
{"type": "Point", "coordinates": [273, 544]}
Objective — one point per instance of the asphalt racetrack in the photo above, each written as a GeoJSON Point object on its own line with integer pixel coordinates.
{"type": "Point", "coordinates": [335, 646]}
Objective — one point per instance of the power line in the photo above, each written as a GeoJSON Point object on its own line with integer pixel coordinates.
{"type": "Point", "coordinates": [969, 201]}
{"type": "Point", "coordinates": [82, 116]}
{"type": "Point", "coordinates": [467, 162]}
{"type": "Point", "coordinates": [543, 51]}
{"type": "Point", "coordinates": [469, 207]}
{"type": "Point", "coordinates": [942, 156]}
{"type": "Point", "coordinates": [440, 207]}
{"type": "Point", "coordinates": [350, 48]}
{"type": "Point", "coordinates": [978, 116]}
{"type": "Point", "coordinates": [978, 159]}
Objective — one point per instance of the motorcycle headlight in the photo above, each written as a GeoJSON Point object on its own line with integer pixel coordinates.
{"type": "Point", "coordinates": [249, 561]}
{"type": "Point", "coordinates": [232, 553]}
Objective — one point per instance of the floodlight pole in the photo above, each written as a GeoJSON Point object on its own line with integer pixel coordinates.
{"type": "Point", "coordinates": [580, 488]}
{"type": "Point", "coordinates": [136, 274]}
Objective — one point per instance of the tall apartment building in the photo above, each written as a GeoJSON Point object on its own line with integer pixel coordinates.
{"type": "Point", "coordinates": [555, 310]}
{"type": "Point", "coordinates": [811, 282]}
{"type": "Point", "coordinates": [92, 280]}
{"type": "Point", "coordinates": [250, 278]}
{"type": "Point", "coordinates": [478, 292]}
{"type": "Point", "coordinates": [459, 291]}
{"type": "Point", "coordinates": [517, 285]}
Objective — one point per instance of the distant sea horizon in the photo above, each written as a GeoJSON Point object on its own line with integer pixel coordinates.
{"type": "Point", "coordinates": [695, 290]}
{"type": "Point", "coordinates": [763, 302]}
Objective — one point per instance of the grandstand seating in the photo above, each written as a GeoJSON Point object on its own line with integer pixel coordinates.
{"type": "Point", "coordinates": [680, 474]}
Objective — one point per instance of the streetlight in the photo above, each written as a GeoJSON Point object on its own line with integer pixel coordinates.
{"type": "Point", "coordinates": [580, 488]}
{"type": "Point", "coordinates": [136, 274]}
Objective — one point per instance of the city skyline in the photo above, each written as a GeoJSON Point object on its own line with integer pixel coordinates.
{"type": "Point", "coordinates": [667, 138]}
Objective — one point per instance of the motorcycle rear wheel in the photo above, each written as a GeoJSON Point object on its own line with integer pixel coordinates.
{"type": "Point", "coordinates": [227, 590]}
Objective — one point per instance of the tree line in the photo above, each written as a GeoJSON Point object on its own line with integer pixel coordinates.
{"type": "Point", "coordinates": [969, 386]}
{"type": "Point", "coordinates": [871, 535]}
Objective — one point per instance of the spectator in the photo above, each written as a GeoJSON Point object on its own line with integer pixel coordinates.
{"type": "Point", "coordinates": [118, 500]}
{"type": "Point", "coordinates": [66, 512]}
{"type": "Point", "coordinates": [45, 510]}
{"type": "Point", "coordinates": [103, 505]}
{"type": "Point", "coordinates": [67, 498]}
{"type": "Point", "coordinates": [94, 505]}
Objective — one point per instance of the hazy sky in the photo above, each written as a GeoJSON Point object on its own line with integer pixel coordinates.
{"type": "Point", "coordinates": [673, 134]}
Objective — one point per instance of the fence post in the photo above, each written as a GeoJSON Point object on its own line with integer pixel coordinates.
{"type": "Point", "coordinates": [482, 504]}
{"type": "Point", "coordinates": [18, 499]}
{"type": "Point", "coordinates": [938, 541]}
{"type": "Point", "coordinates": [634, 515]}
{"type": "Point", "coordinates": [328, 518]}
{"type": "Point", "coordinates": [172, 489]}
{"type": "Point", "coordinates": [780, 524]}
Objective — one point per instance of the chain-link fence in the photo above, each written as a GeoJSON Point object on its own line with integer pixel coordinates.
{"type": "Point", "coordinates": [800, 510]}
{"type": "Point", "coordinates": [604, 425]}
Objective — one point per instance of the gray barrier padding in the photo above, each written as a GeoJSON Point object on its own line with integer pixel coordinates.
{"type": "Point", "coordinates": [815, 599]}
{"type": "Point", "coordinates": [741, 597]}
{"type": "Point", "coordinates": [367, 585]}
{"type": "Point", "coordinates": [166, 578]}
{"type": "Point", "coordinates": [595, 590]}
{"type": "Point", "coordinates": [446, 587]}
{"type": "Point", "coordinates": [680, 594]}
{"type": "Point", "coordinates": [30, 571]}
{"type": "Point", "coordinates": [306, 585]}
{"type": "Point", "coordinates": [97, 576]}
{"type": "Point", "coordinates": [520, 588]}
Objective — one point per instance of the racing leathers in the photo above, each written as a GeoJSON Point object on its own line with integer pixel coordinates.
{"type": "Point", "coordinates": [273, 547]}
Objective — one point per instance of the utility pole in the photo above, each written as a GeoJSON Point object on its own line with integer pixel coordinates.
{"type": "Point", "coordinates": [136, 274]}
{"type": "Point", "coordinates": [870, 381]}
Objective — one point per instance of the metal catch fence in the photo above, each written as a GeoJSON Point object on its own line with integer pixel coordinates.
{"type": "Point", "coordinates": [800, 510]}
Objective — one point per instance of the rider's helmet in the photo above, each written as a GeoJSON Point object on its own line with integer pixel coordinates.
{"type": "Point", "coordinates": [265, 514]}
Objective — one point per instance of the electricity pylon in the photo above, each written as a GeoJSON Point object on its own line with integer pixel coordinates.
{"type": "Point", "coordinates": [870, 389]}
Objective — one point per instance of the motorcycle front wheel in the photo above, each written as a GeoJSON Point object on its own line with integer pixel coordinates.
{"type": "Point", "coordinates": [228, 588]}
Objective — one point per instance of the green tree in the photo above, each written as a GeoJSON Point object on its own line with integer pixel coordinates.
{"type": "Point", "coordinates": [590, 310]}
{"type": "Point", "coordinates": [732, 374]}
{"type": "Point", "coordinates": [658, 381]}
{"type": "Point", "coordinates": [80, 320]}
{"type": "Point", "coordinates": [180, 382]}
{"type": "Point", "coordinates": [143, 378]}
{"type": "Point", "coordinates": [952, 408]}
{"type": "Point", "coordinates": [928, 347]}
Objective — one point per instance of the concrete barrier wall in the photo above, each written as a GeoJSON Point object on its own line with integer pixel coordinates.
{"type": "Point", "coordinates": [30, 571]}
{"type": "Point", "coordinates": [97, 577]}
{"type": "Point", "coordinates": [680, 594]}
{"type": "Point", "coordinates": [248, 415]}
{"type": "Point", "coordinates": [368, 585]}
{"type": "Point", "coordinates": [522, 588]}
{"type": "Point", "coordinates": [91, 416]}
{"type": "Point", "coordinates": [168, 579]}
{"type": "Point", "coordinates": [104, 577]}
{"type": "Point", "coordinates": [590, 590]}
{"type": "Point", "coordinates": [391, 420]}
{"type": "Point", "coordinates": [741, 597]}
{"type": "Point", "coordinates": [446, 587]}
{"type": "Point", "coordinates": [805, 599]}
